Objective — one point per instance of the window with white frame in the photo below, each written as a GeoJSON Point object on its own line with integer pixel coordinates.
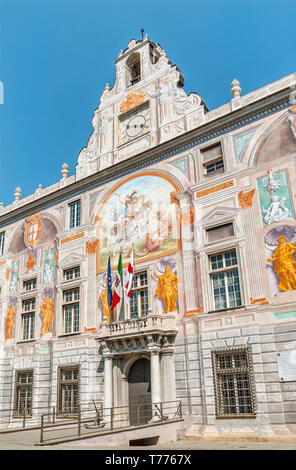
{"type": "Point", "coordinates": [233, 382]}
{"type": "Point", "coordinates": [75, 211]}
{"type": "Point", "coordinates": [28, 319]}
{"type": "Point", "coordinates": [224, 274]}
{"type": "Point", "coordinates": [23, 393]}
{"type": "Point", "coordinates": [68, 390]}
{"type": "Point", "coordinates": [72, 273]}
{"type": "Point", "coordinates": [30, 284]}
{"type": "Point", "coordinates": [139, 297]}
{"type": "Point", "coordinates": [212, 159]}
{"type": "Point", "coordinates": [2, 236]}
{"type": "Point", "coordinates": [71, 299]}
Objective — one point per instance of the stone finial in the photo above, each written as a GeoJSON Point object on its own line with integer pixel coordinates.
{"type": "Point", "coordinates": [235, 88]}
{"type": "Point", "coordinates": [65, 170]}
{"type": "Point", "coordinates": [17, 193]}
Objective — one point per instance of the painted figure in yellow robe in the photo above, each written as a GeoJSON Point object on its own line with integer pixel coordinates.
{"type": "Point", "coordinates": [105, 306]}
{"type": "Point", "coordinates": [47, 313]}
{"type": "Point", "coordinates": [284, 264]}
{"type": "Point", "coordinates": [9, 321]}
{"type": "Point", "coordinates": [167, 289]}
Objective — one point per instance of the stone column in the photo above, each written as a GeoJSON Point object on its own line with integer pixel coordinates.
{"type": "Point", "coordinates": [108, 385]}
{"type": "Point", "coordinates": [169, 407]}
{"type": "Point", "coordinates": [155, 383]}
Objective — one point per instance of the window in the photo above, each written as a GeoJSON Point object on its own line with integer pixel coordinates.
{"type": "Point", "coordinates": [72, 273]}
{"type": "Point", "coordinates": [71, 310]}
{"type": "Point", "coordinates": [233, 381]}
{"type": "Point", "coordinates": [23, 393]}
{"type": "Point", "coordinates": [212, 159]}
{"type": "Point", "coordinates": [219, 232]}
{"type": "Point", "coordinates": [139, 298]}
{"type": "Point", "coordinates": [2, 236]}
{"type": "Point", "coordinates": [225, 280]}
{"type": "Point", "coordinates": [68, 390]}
{"type": "Point", "coordinates": [28, 319]}
{"type": "Point", "coordinates": [133, 69]}
{"type": "Point", "coordinates": [74, 214]}
{"type": "Point", "coordinates": [30, 284]}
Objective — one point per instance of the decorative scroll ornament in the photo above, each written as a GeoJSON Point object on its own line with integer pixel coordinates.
{"type": "Point", "coordinates": [91, 247]}
{"type": "Point", "coordinates": [167, 289]}
{"type": "Point", "coordinates": [133, 100]}
{"type": "Point", "coordinates": [32, 230]}
{"type": "Point", "coordinates": [246, 199]}
{"type": "Point", "coordinates": [30, 263]}
{"type": "Point", "coordinates": [284, 264]}
{"type": "Point", "coordinates": [272, 184]}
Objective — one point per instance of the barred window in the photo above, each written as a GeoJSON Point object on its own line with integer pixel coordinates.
{"type": "Point", "coordinates": [139, 298]}
{"type": "Point", "coordinates": [72, 273]}
{"type": "Point", "coordinates": [233, 382]}
{"type": "Point", "coordinates": [30, 284]}
{"type": "Point", "coordinates": [2, 236]}
{"type": "Point", "coordinates": [23, 393]}
{"type": "Point", "coordinates": [71, 310]}
{"type": "Point", "coordinates": [74, 214]}
{"type": "Point", "coordinates": [28, 319]}
{"type": "Point", "coordinates": [68, 390]}
{"type": "Point", "coordinates": [225, 280]}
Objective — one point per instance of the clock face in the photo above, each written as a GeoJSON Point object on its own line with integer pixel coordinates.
{"type": "Point", "coordinates": [134, 125]}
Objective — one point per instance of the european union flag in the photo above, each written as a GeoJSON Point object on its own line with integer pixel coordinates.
{"type": "Point", "coordinates": [109, 281]}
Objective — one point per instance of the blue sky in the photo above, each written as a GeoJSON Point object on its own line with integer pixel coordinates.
{"type": "Point", "coordinates": [57, 56]}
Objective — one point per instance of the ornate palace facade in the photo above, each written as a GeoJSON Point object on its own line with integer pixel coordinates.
{"type": "Point", "coordinates": [205, 200]}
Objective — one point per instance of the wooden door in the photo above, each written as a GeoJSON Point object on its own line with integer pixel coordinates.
{"type": "Point", "coordinates": [140, 392]}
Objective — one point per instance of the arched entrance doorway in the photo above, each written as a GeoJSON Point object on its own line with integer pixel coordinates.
{"type": "Point", "coordinates": [140, 392]}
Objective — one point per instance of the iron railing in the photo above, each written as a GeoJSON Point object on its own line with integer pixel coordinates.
{"type": "Point", "coordinates": [94, 420]}
{"type": "Point", "coordinates": [29, 417]}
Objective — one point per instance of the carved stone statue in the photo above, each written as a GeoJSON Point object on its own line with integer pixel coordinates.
{"type": "Point", "coordinates": [167, 289]}
{"type": "Point", "coordinates": [47, 313]}
{"type": "Point", "coordinates": [284, 264]}
{"type": "Point", "coordinates": [9, 322]}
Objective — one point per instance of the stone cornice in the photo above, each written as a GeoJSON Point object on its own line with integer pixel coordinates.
{"type": "Point", "coordinates": [200, 135]}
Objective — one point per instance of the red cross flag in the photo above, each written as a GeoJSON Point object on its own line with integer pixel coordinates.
{"type": "Point", "coordinates": [129, 278]}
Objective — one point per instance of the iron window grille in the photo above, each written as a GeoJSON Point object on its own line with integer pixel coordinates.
{"type": "Point", "coordinates": [28, 319]}
{"type": "Point", "coordinates": [23, 393]}
{"type": "Point", "coordinates": [139, 297]}
{"type": "Point", "coordinates": [75, 210]}
{"type": "Point", "coordinates": [72, 273]}
{"type": "Point", "coordinates": [234, 383]}
{"type": "Point", "coordinates": [225, 281]}
{"type": "Point", "coordinates": [30, 284]}
{"type": "Point", "coordinates": [71, 299]}
{"type": "Point", "coordinates": [2, 237]}
{"type": "Point", "coordinates": [68, 390]}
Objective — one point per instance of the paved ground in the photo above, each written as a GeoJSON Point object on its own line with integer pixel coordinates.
{"type": "Point", "coordinates": [25, 440]}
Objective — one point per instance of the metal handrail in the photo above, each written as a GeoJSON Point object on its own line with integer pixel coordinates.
{"type": "Point", "coordinates": [111, 419]}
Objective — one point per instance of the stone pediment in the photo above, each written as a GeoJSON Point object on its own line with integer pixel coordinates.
{"type": "Point", "coordinates": [70, 260]}
{"type": "Point", "coordinates": [220, 214]}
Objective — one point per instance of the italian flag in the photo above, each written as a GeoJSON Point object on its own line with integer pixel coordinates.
{"type": "Point", "coordinates": [117, 288]}
{"type": "Point", "coordinates": [129, 278]}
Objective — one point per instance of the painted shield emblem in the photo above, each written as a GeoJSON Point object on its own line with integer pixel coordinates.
{"type": "Point", "coordinates": [33, 228]}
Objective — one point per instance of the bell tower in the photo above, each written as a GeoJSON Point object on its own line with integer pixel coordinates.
{"type": "Point", "coordinates": [146, 106]}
